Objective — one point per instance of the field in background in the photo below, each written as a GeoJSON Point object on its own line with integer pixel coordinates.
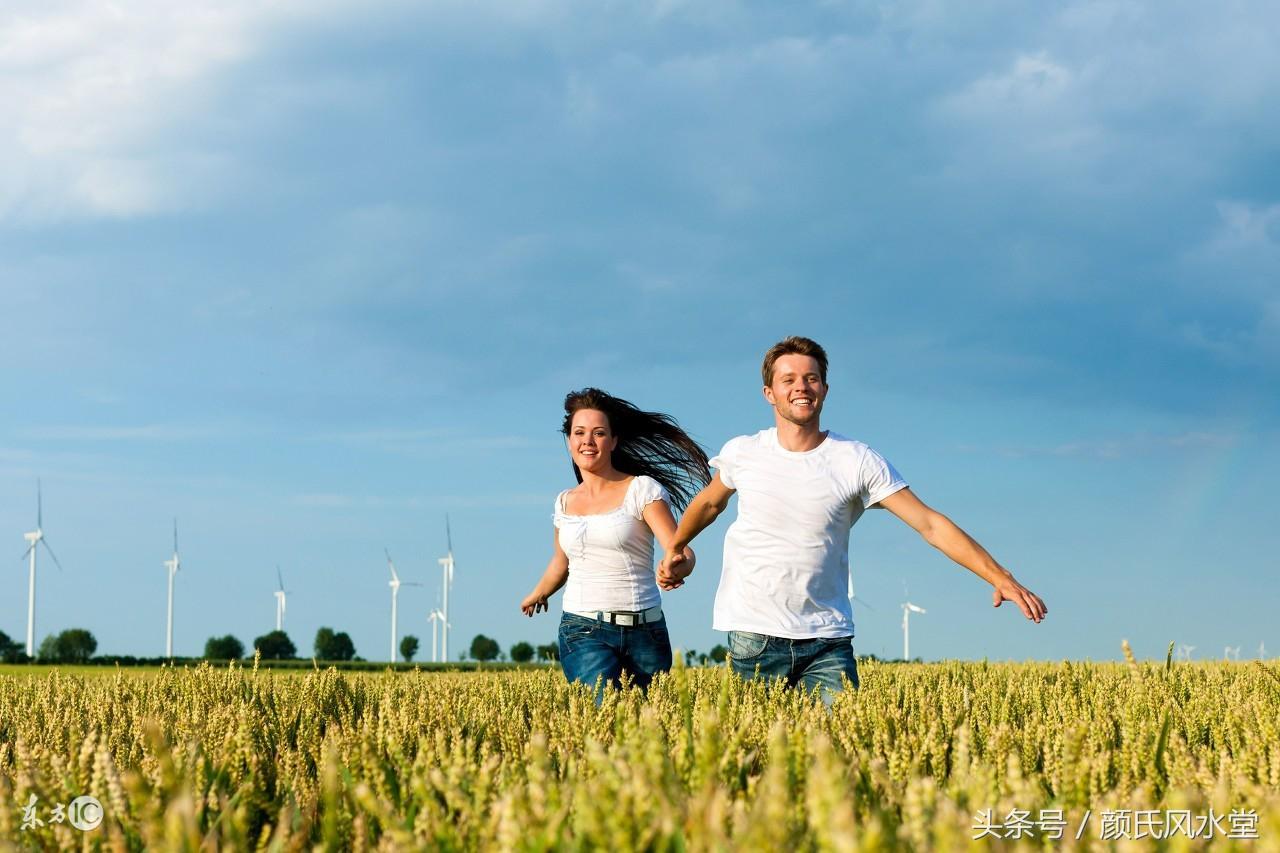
{"type": "Point", "coordinates": [922, 757]}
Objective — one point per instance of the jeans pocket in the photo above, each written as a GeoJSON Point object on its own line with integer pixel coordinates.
{"type": "Point", "coordinates": [575, 631]}
{"type": "Point", "coordinates": [744, 645]}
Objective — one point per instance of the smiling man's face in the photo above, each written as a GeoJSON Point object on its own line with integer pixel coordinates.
{"type": "Point", "coordinates": [797, 390]}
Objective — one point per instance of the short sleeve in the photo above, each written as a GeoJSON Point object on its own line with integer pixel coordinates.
{"type": "Point", "coordinates": [878, 478]}
{"type": "Point", "coordinates": [725, 462]}
{"type": "Point", "coordinates": [644, 491]}
{"type": "Point", "coordinates": [557, 510]}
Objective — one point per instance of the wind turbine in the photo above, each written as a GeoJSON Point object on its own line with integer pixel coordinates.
{"type": "Point", "coordinates": [1184, 651]}
{"type": "Point", "coordinates": [280, 594]}
{"type": "Point", "coordinates": [1230, 651]}
{"type": "Point", "coordinates": [394, 583]}
{"type": "Point", "coordinates": [853, 597]}
{"type": "Point", "coordinates": [446, 565]}
{"type": "Point", "coordinates": [172, 565]}
{"type": "Point", "coordinates": [1262, 650]}
{"type": "Point", "coordinates": [907, 609]}
{"type": "Point", "coordinates": [435, 616]}
{"type": "Point", "coordinates": [36, 538]}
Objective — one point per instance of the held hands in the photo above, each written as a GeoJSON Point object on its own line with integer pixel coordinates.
{"type": "Point", "coordinates": [533, 603]}
{"type": "Point", "coordinates": [1008, 589]}
{"type": "Point", "coordinates": [674, 568]}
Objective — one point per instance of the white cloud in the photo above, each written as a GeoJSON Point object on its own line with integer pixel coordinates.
{"type": "Point", "coordinates": [87, 88]}
{"type": "Point", "coordinates": [1034, 82]}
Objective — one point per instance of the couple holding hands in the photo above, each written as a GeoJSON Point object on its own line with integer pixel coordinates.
{"type": "Point", "coordinates": [784, 581]}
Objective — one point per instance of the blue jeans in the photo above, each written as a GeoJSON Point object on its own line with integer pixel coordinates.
{"type": "Point", "coordinates": [811, 663]}
{"type": "Point", "coordinates": [591, 649]}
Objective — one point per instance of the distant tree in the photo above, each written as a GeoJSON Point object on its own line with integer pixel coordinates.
{"type": "Point", "coordinates": [324, 643]}
{"type": "Point", "coordinates": [76, 645]}
{"type": "Point", "coordinates": [689, 657]}
{"type": "Point", "coordinates": [483, 648]}
{"type": "Point", "coordinates": [522, 652]}
{"type": "Point", "coordinates": [719, 653]}
{"type": "Point", "coordinates": [549, 652]}
{"type": "Point", "coordinates": [702, 659]}
{"type": "Point", "coordinates": [275, 645]}
{"type": "Point", "coordinates": [343, 648]}
{"type": "Point", "coordinates": [223, 648]}
{"type": "Point", "coordinates": [47, 651]}
{"type": "Point", "coordinates": [334, 646]}
{"type": "Point", "coordinates": [10, 651]}
{"type": "Point", "coordinates": [408, 647]}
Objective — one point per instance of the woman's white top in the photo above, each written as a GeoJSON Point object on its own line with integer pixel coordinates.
{"type": "Point", "coordinates": [611, 553]}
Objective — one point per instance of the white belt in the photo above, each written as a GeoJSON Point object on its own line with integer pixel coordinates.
{"type": "Point", "coordinates": [622, 617]}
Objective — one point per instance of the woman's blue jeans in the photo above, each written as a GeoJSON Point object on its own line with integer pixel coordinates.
{"type": "Point", "coordinates": [591, 649]}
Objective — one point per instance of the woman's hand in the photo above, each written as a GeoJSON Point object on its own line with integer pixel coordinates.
{"type": "Point", "coordinates": [674, 568]}
{"type": "Point", "coordinates": [533, 603]}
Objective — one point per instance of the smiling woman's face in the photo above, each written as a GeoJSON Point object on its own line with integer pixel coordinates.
{"type": "Point", "coordinates": [591, 440]}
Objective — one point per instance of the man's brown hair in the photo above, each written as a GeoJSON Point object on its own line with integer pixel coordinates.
{"type": "Point", "coordinates": [794, 345]}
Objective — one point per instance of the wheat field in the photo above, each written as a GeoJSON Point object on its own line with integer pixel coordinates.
{"type": "Point", "coordinates": [923, 757]}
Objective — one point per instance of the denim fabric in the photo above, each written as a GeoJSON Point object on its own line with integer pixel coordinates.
{"type": "Point", "coordinates": [590, 649]}
{"type": "Point", "coordinates": [811, 663]}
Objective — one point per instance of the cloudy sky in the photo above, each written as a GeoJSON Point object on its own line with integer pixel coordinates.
{"type": "Point", "coordinates": [309, 276]}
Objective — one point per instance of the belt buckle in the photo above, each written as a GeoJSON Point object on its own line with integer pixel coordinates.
{"type": "Point", "coordinates": [627, 619]}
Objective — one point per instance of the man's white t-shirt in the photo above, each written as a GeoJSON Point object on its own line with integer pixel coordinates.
{"type": "Point", "coordinates": [786, 556]}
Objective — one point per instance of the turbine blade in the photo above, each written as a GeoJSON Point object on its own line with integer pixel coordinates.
{"type": "Point", "coordinates": [27, 553]}
{"type": "Point", "coordinates": [39, 506]}
{"type": "Point", "coordinates": [448, 534]}
{"type": "Point", "coordinates": [280, 578]}
{"type": "Point", "coordinates": [175, 536]}
{"type": "Point", "coordinates": [51, 554]}
{"type": "Point", "coordinates": [391, 565]}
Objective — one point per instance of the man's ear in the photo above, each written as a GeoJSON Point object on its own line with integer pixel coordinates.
{"type": "Point", "coordinates": [768, 396]}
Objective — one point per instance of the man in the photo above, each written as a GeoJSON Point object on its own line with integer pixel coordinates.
{"type": "Point", "coordinates": [782, 594]}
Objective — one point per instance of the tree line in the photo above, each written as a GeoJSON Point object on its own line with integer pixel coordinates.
{"type": "Point", "coordinates": [78, 645]}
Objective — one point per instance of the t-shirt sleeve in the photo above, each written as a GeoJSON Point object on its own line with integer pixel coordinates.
{"type": "Point", "coordinates": [726, 462]}
{"type": "Point", "coordinates": [643, 492]}
{"type": "Point", "coordinates": [878, 479]}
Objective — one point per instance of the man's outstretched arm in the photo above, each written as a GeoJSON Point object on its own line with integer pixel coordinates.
{"type": "Point", "coordinates": [698, 516]}
{"type": "Point", "coordinates": [942, 533]}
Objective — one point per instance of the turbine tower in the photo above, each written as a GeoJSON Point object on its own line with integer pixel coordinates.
{"type": "Point", "coordinates": [446, 565]}
{"type": "Point", "coordinates": [907, 609]}
{"type": "Point", "coordinates": [435, 616]}
{"type": "Point", "coordinates": [394, 583]}
{"type": "Point", "coordinates": [36, 538]}
{"type": "Point", "coordinates": [172, 565]}
{"type": "Point", "coordinates": [280, 594]}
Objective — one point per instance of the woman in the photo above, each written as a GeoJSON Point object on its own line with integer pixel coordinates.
{"type": "Point", "coordinates": [632, 468]}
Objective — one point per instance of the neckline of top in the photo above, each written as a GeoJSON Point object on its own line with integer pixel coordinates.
{"type": "Point", "coordinates": [564, 503]}
{"type": "Point", "coordinates": [777, 444]}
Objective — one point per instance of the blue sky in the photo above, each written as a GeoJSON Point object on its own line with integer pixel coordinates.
{"type": "Point", "coordinates": [309, 276]}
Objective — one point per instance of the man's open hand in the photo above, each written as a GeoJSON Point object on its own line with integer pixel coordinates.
{"type": "Point", "coordinates": [1008, 589]}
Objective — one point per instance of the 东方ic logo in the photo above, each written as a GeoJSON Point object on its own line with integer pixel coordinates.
{"type": "Point", "coordinates": [85, 813]}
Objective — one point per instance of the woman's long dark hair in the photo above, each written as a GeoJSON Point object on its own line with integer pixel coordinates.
{"type": "Point", "coordinates": [649, 443]}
